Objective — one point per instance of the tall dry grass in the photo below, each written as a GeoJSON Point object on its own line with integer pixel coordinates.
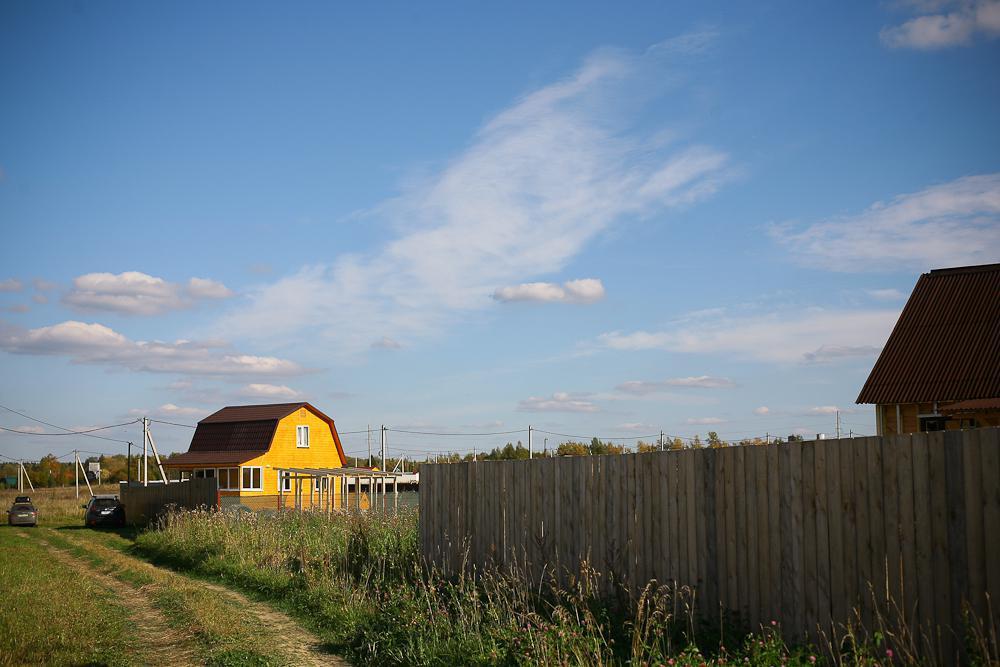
{"type": "Point", "coordinates": [56, 505]}
{"type": "Point", "coordinates": [359, 580]}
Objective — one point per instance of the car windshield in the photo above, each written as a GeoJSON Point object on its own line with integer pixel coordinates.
{"type": "Point", "coordinates": [104, 503]}
{"type": "Point", "coordinates": [23, 507]}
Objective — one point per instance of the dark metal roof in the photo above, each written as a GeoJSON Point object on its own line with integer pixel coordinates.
{"type": "Point", "coordinates": [209, 459]}
{"type": "Point", "coordinates": [251, 413]}
{"type": "Point", "coordinates": [946, 344]}
{"type": "Point", "coordinates": [233, 436]}
{"type": "Point", "coordinates": [247, 429]}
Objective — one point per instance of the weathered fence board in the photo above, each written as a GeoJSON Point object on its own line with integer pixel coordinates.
{"type": "Point", "coordinates": [814, 535]}
{"type": "Point", "coordinates": [144, 503]}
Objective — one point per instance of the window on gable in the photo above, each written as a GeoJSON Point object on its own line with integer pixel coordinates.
{"type": "Point", "coordinates": [301, 436]}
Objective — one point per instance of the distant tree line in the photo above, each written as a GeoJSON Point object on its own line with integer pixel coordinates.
{"type": "Point", "coordinates": [598, 447]}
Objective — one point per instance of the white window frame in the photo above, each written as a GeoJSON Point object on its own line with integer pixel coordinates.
{"type": "Point", "coordinates": [285, 477]}
{"type": "Point", "coordinates": [299, 432]}
{"type": "Point", "coordinates": [229, 479]}
{"type": "Point", "coordinates": [260, 478]}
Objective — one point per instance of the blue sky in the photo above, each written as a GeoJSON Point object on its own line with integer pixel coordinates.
{"type": "Point", "coordinates": [597, 220]}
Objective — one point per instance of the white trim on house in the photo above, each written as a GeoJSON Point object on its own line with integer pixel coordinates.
{"type": "Point", "coordinates": [250, 486]}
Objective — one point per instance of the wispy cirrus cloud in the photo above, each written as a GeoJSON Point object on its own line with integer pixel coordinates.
{"type": "Point", "coordinates": [642, 387]}
{"type": "Point", "coordinates": [11, 285]}
{"type": "Point", "coordinates": [558, 402]}
{"type": "Point", "coordinates": [584, 290]}
{"type": "Point", "coordinates": [951, 224]}
{"type": "Point", "coordinates": [270, 391]}
{"type": "Point", "coordinates": [945, 24]}
{"type": "Point", "coordinates": [136, 293]}
{"type": "Point", "coordinates": [92, 343]}
{"type": "Point", "coordinates": [704, 421]}
{"type": "Point", "coordinates": [810, 335]}
{"type": "Point", "coordinates": [539, 181]}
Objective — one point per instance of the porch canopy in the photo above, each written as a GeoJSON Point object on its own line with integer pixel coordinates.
{"type": "Point", "coordinates": [330, 488]}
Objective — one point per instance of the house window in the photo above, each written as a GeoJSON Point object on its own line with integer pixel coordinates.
{"type": "Point", "coordinates": [931, 423]}
{"type": "Point", "coordinates": [229, 479]}
{"type": "Point", "coordinates": [251, 478]}
{"type": "Point", "coordinates": [301, 436]}
{"type": "Point", "coordinates": [204, 473]}
{"type": "Point", "coordinates": [286, 481]}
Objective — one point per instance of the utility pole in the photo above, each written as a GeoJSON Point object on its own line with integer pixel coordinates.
{"type": "Point", "coordinates": [529, 441]}
{"type": "Point", "coordinates": [145, 461]}
{"type": "Point", "coordinates": [156, 454]}
{"type": "Point", "coordinates": [661, 440]}
{"type": "Point", "coordinates": [76, 471]}
{"type": "Point", "coordinates": [20, 484]}
{"type": "Point", "coordinates": [23, 476]}
{"type": "Point", "coordinates": [383, 446]}
{"type": "Point", "coordinates": [369, 445]}
{"type": "Point", "coordinates": [838, 424]}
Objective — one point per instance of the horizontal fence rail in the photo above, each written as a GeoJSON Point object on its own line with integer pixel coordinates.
{"type": "Point", "coordinates": [902, 531]}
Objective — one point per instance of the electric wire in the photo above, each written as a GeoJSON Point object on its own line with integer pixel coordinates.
{"type": "Point", "coordinates": [88, 434]}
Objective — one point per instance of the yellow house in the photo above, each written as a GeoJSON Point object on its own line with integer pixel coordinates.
{"type": "Point", "coordinates": [244, 446]}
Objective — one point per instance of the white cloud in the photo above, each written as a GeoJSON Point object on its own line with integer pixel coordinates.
{"type": "Point", "coordinates": [641, 387]}
{"type": "Point", "coordinates": [91, 343]}
{"type": "Point", "coordinates": [537, 183]}
{"type": "Point", "coordinates": [762, 411]}
{"type": "Point", "coordinates": [39, 299]}
{"type": "Point", "coordinates": [952, 224]}
{"type": "Point", "coordinates": [559, 402]}
{"type": "Point", "coordinates": [958, 25]}
{"type": "Point", "coordinates": [803, 336]}
{"type": "Point", "coordinates": [888, 294]}
{"type": "Point", "coordinates": [829, 353]}
{"type": "Point", "coordinates": [261, 390]}
{"type": "Point", "coordinates": [585, 290]}
{"type": "Point", "coordinates": [19, 308]}
{"type": "Point", "coordinates": [638, 427]}
{"type": "Point", "coordinates": [136, 293]}
{"type": "Point", "coordinates": [386, 343]}
{"type": "Point", "coordinates": [824, 410]}
{"type": "Point", "coordinates": [11, 285]}
{"type": "Point", "coordinates": [171, 410]}
{"type": "Point", "coordinates": [204, 288]}
{"type": "Point", "coordinates": [704, 421]}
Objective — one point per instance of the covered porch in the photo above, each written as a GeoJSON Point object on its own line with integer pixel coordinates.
{"type": "Point", "coordinates": [338, 489]}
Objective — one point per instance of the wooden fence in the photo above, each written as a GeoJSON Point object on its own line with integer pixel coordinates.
{"type": "Point", "coordinates": [142, 503]}
{"type": "Point", "coordinates": [903, 528]}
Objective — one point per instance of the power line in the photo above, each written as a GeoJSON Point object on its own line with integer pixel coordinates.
{"type": "Point", "coordinates": [399, 430]}
{"type": "Point", "coordinates": [160, 421]}
{"type": "Point", "coordinates": [63, 428]}
{"type": "Point", "coordinates": [68, 432]}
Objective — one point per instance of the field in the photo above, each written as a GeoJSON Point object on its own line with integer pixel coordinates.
{"type": "Point", "coordinates": [244, 589]}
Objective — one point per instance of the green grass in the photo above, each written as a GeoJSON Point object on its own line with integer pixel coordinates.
{"type": "Point", "coordinates": [51, 615]}
{"type": "Point", "coordinates": [223, 630]}
{"type": "Point", "coordinates": [358, 580]}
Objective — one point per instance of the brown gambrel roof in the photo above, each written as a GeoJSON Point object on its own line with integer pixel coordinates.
{"type": "Point", "coordinates": [946, 343]}
{"type": "Point", "coordinates": [242, 432]}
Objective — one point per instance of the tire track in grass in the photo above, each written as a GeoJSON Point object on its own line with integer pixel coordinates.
{"type": "Point", "coordinates": [299, 645]}
{"type": "Point", "coordinates": [164, 644]}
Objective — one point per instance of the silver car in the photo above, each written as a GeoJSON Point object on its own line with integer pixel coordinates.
{"type": "Point", "coordinates": [22, 513]}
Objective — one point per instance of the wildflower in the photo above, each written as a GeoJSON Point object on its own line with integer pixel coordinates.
{"type": "Point", "coordinates": [812, 658]}
{"type": "Point", "coordinates": [888, 653]}
{"type": "Point", "coordinates": [774, 622]}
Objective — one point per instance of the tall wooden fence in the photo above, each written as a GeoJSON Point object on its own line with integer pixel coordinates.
{"type": "Point", "coordinates": [142, 503]}
{"type": "Point", "coordinates": [904, 528]}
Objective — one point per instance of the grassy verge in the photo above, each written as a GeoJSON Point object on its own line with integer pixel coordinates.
{"type": "Point", "coordinates": [225, 633]}
{"type": "Point", "coordinates": [51, 615]}
{"type": "Point", "coordinates": [358, 580]}
{"type": "Point", "coordinates": [56, 506]}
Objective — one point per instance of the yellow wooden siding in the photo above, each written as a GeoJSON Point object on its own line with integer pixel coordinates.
{"type": "Point", "coordinates": [321, 453]}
